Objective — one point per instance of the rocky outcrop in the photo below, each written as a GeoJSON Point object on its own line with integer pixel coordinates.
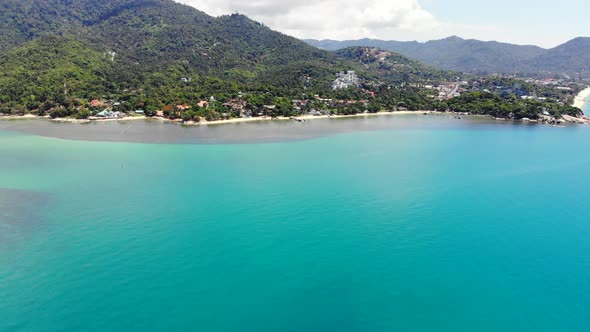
{"type": "Point", "coordinates": [578, 120]}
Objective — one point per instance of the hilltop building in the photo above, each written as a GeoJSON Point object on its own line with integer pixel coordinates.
{"type": "Point", "coordinates": [345, 80]}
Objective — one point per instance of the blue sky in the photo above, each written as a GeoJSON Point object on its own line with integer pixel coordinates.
{"type": "Point", "coordinates": [544, 23]}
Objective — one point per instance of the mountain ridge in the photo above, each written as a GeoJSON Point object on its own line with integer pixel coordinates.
{"type": "Point", "coordinates": [476, 56]}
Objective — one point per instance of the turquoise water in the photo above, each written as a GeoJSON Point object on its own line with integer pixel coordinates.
{"type": "Point", "coordinates": [586, 108]}
{"type": "Point", "coordinates": [439, 228]}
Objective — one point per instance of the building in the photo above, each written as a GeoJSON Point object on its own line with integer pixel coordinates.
{"type": "Point", "coordinates": [110, 114]}
{"type": "Point", "coordinates": [236, 105]}
{"type": "Point", "coordinates": [96, 103]}
{"type": "Point", "coordinates": [345, 80]}
{"type": "Point", "coordinates": [182, 108]}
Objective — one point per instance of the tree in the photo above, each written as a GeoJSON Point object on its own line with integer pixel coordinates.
{"type": "Point", "coordinates": [83, 114]}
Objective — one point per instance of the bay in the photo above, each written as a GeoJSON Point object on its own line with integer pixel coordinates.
{"type": "Point", "coordinates": [390, 224]}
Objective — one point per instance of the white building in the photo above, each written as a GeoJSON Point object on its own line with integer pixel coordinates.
{"type": "Point", "coordinates": [345, 80]}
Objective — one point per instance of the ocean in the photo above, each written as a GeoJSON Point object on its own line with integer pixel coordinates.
{"type": "Point", "coordinates": [400, 223]}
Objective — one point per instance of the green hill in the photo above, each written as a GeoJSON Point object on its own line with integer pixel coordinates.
{"type": "Point", "coordinates": [155, 46]}
{"type": "Point", "coordinates": [157, 54]}
{"type": "Point", "coordinates": [475, 56]}
{"type": "Point", "coordinates": [394, 67]}
{"type": "Point", "coordinates": [42, 69]}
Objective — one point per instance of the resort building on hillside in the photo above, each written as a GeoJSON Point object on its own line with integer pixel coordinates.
{"type": "Point", "coordinates": [345, 80]}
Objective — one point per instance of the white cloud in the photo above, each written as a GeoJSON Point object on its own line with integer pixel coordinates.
{"type": "Point", "coordinates": [353, 19]}
{"type": "Point", "coordinates": [334, 19]}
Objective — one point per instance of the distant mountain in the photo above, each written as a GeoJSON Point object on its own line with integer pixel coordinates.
{"type": "Point", "coordinates": [572, 57]}
{"type": "Point", "coordinates": [476, 56]}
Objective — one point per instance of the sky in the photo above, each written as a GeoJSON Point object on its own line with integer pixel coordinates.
{"type": "Point", "coordinates": [542, 22]}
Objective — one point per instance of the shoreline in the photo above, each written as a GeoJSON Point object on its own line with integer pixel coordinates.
{"type": "Point", "coordinates": [581, 98]}
{"type": "Point", "coordinates": [68, 120]}
{"type": "Point", "coordinates": [303, 118]}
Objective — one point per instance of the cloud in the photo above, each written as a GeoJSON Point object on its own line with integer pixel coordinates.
{"type": "Point", "coordinates": [354, 19]}
{"type": "Point", "coordinates": [334, 19]}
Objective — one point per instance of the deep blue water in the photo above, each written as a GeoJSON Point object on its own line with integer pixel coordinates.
{"type": "Point", "coordinates": [409, 225]}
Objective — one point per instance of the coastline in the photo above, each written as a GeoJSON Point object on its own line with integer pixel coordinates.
{"type": "Point", "coordinates": [581, 98]}
{"type": "Point", "coordinates": [130, 118]}
{"type": "Point", "coordinates": [20, 117]}
{"type": "Point", "coordinates": [303, 118]}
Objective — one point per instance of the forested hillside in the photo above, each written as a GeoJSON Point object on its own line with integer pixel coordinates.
{"type": "Point", "coordinates": [42, 69]}
{"type": "Point", "coordinates": [156, 45]}
{"type": "Point", "coordinates": [475, 56]}
{"type": "Point", "coordinates": [397, 67]}
{"type": "Point", "coordinates": [76, 58]}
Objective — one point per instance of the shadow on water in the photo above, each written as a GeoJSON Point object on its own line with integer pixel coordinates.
{"type": "Point", "coordinates": [155, 131]}
{"type": "Point", "coordinates": [20, 214]}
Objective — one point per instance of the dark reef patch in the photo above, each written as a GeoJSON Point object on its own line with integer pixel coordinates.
{"type": "Point", "coordinates": [20, 214]}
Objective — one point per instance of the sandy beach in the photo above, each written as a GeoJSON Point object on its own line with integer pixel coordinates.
{"type": "Point", "coordinates": [18, 117]}
{"type": "Point", "coordinates": [93, 119]}
{"type": "Point", "coordinates": [301, 118]}
{"type": "Point", "coordinates": [581, 98]}
{"type": "Point", "coordinates": [70, 120]}
{"type": "Point", "coordinates": [216, 122]}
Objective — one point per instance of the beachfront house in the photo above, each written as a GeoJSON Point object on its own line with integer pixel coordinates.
{"type": "Point", "coordinates": [110, 114]}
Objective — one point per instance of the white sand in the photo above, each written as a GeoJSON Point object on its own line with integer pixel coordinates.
{"type": "Point", "coordinates": [217, 122]}
{"type": "Point", "coordinates": [581, 98]}
{"type": "Point", "coordinates": [95, 119]}
{"type": "Point", "coordinates": [303, 117]}
{"type": "Point", "coordinates": [311, 117]}
{"type": "Point", "coordinates": [18, 117]}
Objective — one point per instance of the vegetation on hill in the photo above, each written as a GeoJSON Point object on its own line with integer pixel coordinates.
{"type": "Point", "coordinates": [159, 52]}
{"type": "Point", "coordinates": [507, 107]}
{"type": "Point", "coordinates": [394, 67]}
{"type": "Point", "coordinates": [572, 58]}
{"type": "Point", "coordinates": [52, 68]}
{"type": "Point", "coordinates": [480, 57]}
{"type": "Point", "coordinates": [78, 58]}
{"type": "Point", "coordinates": [150, 35]}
